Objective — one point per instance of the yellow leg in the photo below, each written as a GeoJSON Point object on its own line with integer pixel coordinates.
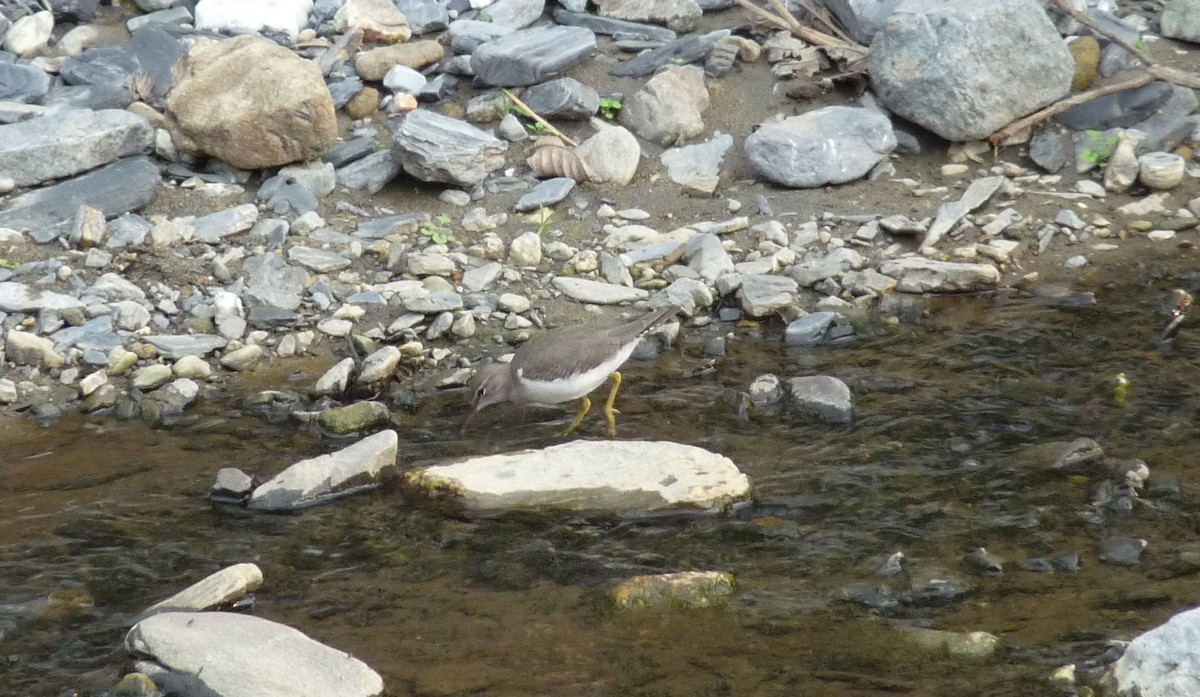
{"type": "Point", "coordinates": [610, 414]}
{"type": "Point", "coordinates": [585, 405]}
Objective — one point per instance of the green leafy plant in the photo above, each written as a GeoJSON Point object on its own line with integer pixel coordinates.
{"type": "Point", "coordinates": [610, 107]}
{"type": "Point", "coordinates": [503, 105]}
{"type": "Point", "coordinates": [544, 217]}
{"type": "Point", "coordinates": [1098, 147]}
{"type": "Point", "coordinates": [535, 127]}
{"type": "Point", "coordinates": [9, 264]}
{"type": "Point", "coordinates": [438, 230]}
{"type": "Point", "coordinates": [1140, 45]}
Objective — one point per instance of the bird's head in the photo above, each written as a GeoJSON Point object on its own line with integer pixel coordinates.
{"type": "Point", "coordinates": [489, 386]}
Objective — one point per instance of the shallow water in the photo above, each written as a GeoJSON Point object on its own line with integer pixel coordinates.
{"type": "Point", "coordinates": [105, 518]}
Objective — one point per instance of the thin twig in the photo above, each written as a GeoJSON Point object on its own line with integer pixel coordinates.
{"type": "Point", "coordinates": [1153, 72]}
{"type": "Point", "coordinates": [533, 115]}
{"type": "Point", "coordinates": [1106, 33]}
{"type": "Point", "coordinates": [788, 22]}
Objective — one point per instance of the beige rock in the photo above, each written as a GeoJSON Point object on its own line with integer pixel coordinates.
{"type": "Point", "coordinates": [379, 20]}
{"type": "Point", "coordinates": [363, 104]}
{"type": "Point", "coordinates": [667, 109]}
{"type": "Point", "coordinates": [24, 348]}
{"type": "Point", "coordinates": [279, 113]}
{"type": "Point", "coordinates": [374, 64]}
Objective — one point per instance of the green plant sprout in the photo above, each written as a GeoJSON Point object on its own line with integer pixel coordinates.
{"type": "Point", "coordinates": [1098, 148]}
{"type": "Point", "coordinates": [536, 127]}
{"type": "Point", "coordinates": [438, 230]}
{"type": "Point", "coordinates": [544, 217]}
{"type": "Point", "coordinates": [609, 107]}
{"type": "Point", "coordinates": [9, 264]}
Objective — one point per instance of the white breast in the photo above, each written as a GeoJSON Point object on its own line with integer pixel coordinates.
{"type": "Point", "coordinates": [543, 392]}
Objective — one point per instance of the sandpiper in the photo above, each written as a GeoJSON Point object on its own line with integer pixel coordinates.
{"type": "Point", "coordinates": [564, 364]}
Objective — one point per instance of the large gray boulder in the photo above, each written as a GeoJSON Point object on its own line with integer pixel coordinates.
{"type": "Point", "coordinates": [965, 68]}
{"type": "Point", "coordinates": [66, 143]}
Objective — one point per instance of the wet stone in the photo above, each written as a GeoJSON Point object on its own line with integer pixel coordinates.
{"type": "Point", "coordinates": [317, 480]}
{"type": "Point", "coordinates": [230, 654]}
{"type": "Point", "coordinates": [361, 416]}
{"type": "Point", "coordinates": [174, 347]}
{"type": "Point", "coordinates": [690, 589]}
{"type": "Point", "coordinates": [821, 395]}
{"type": "Point", "coordinates": [1122, 551]}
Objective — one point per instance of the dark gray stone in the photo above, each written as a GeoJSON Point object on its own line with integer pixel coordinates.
{"type": "Point", "coordinates": [810, 330]}
{"type": "Point", "coordinates": [546, 193]}
{"type": "Point", "coordinates": [466, 35]}
{"type": "Point", "coordinates": [530, 56]}
{"type": "Point", "coordinates": [343, 91]}
{"type": "Point", "coordinates": [371, 173]}
{"type": "Point", "coordinates": [349, 151]}
{"type": "Point", "coordinates": [88, 97]}
{"type": "Point", "coordinates": [66, 143]}
{"type": "Point", "coordinates": [614, 27]}
{"type": "Point", "coordinates": [22, 83]}
{"type": "Point", "coordinates": [564, 98]}
{"type": "Point", "coordinates": [272, 283]}
{"type": "Point", "coordinates": [123, 186]}
{"type": "Point", "coordinates": [689, 49]}
{"type": "Point", "coordinates": [821, 395]}
{"type": "Point", "coordinates": [424, 16]}
{"type": "Point", "coordinates": [104, 65]}
{"type": "Point", "coordinates": [861, 18]}
{"type": "Point", "coordinates": [156, 51]}
{"type": "Point", "coordinates": [1119, 110]}
{"type": "Point", "coordinates": [1051, 150]}
{"type": "Point", "coordinates": [437, 148]}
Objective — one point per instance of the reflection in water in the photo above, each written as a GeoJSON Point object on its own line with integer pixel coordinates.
{"type": "Point", "coordinates": [100, 518]}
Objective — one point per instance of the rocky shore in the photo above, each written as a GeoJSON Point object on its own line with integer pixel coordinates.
{"type": "Point", "coordinates": [193, 190]}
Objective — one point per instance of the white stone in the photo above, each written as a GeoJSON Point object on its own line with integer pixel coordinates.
{"type": "Point", "coordinates": [380, 365]}
{"type": "Point", "coordinates": [598, 292]}
{"type": "Point", "coordinates": [335, 327]}
{"type": "Point", "coordinates": [336, 379]}
{"type": "Point", "coordinates": [622, 476]}
{"type": "Point", "coordinates": [219, 588]}
{"type": "Point", "coordinates": [92, 382]}
{"type": "Point", "coordinates": [29, 34]}
{"type": "Point", "coordinates": [1163, 662]}
{"type": "Point", "coordinates": [234, 655]}
{"type": "Point", "coordinates": [525, 250]}
{"type": "Point", "coordinates": [316, 479]}
{"type": "Point", "coordinates": [241, 17]}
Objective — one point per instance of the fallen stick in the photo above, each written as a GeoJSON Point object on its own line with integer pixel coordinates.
{"type": "Point", "coordinates": [533, 115]}
{"type": "Point", "coordinates": [1095, 26]}
{"type": "Point", "coordinates": [1153, 72]}
{"type": "Point", "coordinates": [786, 21]}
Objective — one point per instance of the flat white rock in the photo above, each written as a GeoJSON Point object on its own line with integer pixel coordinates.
{"type": "Point", "coordinates": [231, 655]}
{"type": "Point", "coordinates": [598, 292]}
{"type": "Point", "coordinates": [622, 476]}
{"type": "Point", "coordinates": [241, 17]}
{"type": "Point", "coordinates": [224, 586]}
{"type": "Point", "coordinates": [316, 479]}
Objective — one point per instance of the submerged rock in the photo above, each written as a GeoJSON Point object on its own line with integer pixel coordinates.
{"type": "Point", "coordinates": [619, 476]}
{"type": "Point", "coordinates": [686, 589]}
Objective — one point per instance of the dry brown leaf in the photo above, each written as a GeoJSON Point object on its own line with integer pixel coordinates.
{"type": "Point", "coordinates": [558, 161]}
